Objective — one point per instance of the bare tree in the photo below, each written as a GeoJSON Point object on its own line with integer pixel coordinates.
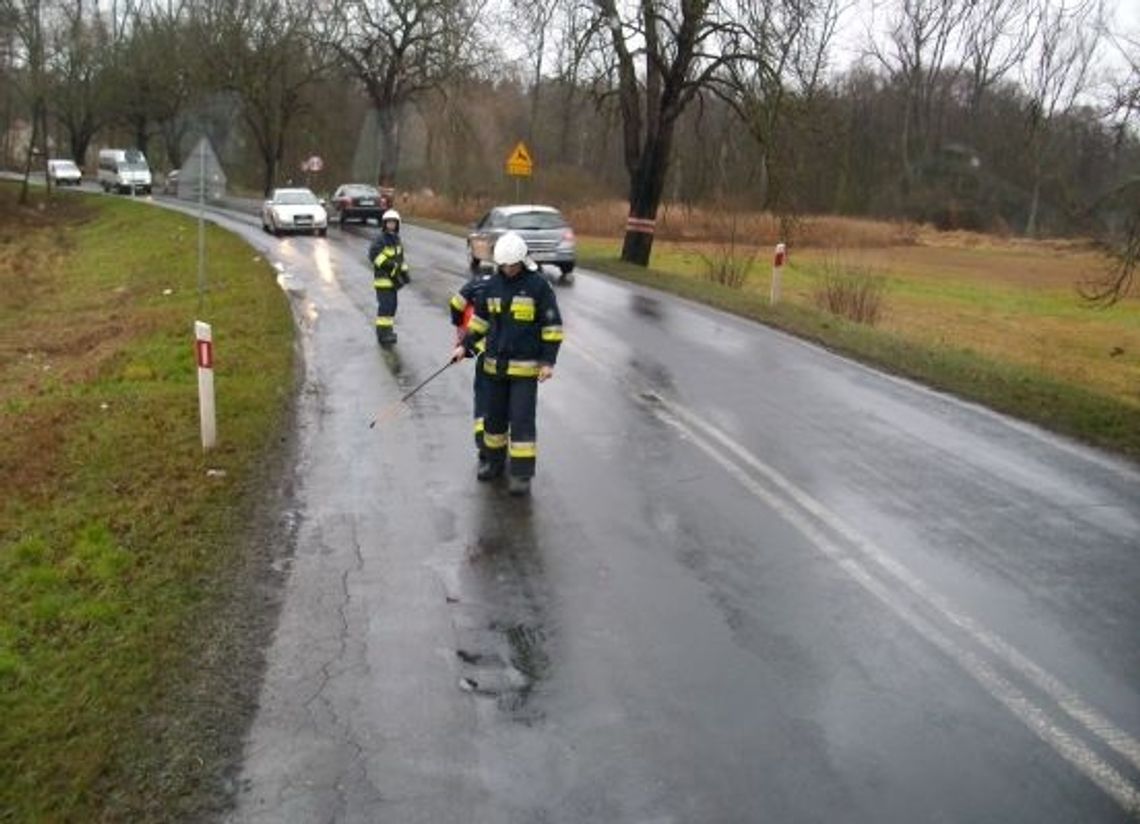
{"type": "Point", "coordinates": [920, 36]}
{"type": "Point", "coordinates": [788, 45]}
{"type": "Point", "coordinates": [1121, 240]}
{"type": "Point", "coordinates": [663, 56]}
{"type": "Point", "coordinates": [27, 21]}
{"type": "Point", "coordinates": [80, 99]}
{"type": "Point", "coordinates": [1121, 236]}
{"type": "Point", "coordinates": [263, 53]}
{"type": "Point", "coordinates": [1056, 76]}
{"type": "Point", "coordinates": [399, 50]}
{"type": "Point", "coordinates": [536, 17]}
{"type": "Point", "coordinates": [997, 36]}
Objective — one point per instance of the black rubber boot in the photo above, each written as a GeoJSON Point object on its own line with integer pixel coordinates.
{"type": "Point", "coordinates": [489, 469]}
{"type": "Point", "coordinates": [519, 486]}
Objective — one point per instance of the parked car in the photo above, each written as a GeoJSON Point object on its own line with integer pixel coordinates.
{"type": "Point", "coordinates": [294, 210]}
{"type": "Point", "coordinates": [357, 201]}
{"type": "Point", "coordinates": [64, 173]}
{"type": "Point", "coordinates": [548, 236]}
{"type": "Point", "coordinates": [170, 183]}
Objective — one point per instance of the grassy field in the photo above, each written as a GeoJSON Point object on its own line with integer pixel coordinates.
{"type": "Point", "coordinates": [121, 542]}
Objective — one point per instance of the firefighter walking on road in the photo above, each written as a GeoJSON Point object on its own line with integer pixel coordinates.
{"type": "Point", "coordinates": [462, 307]}
{"type": "Point", "coordinates": [517, 313]}
{"type": "Point", "coordinates": [389, 273]}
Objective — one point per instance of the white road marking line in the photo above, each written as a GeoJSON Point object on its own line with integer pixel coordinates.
{"type": "Point", "coordinates": [1038, 720]}
{"type": "Point", "coordinates": [1073, 705]}
{"type": "Point", "coordinates": [1096, 769]}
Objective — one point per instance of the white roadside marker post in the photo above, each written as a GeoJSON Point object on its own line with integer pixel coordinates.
{"type": "Point", "coordinates": [777, 270]}
{"type": "Point", "coordinates": [204, 348]}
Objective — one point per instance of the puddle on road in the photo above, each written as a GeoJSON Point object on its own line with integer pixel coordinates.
{"type": "Point", "coordinates": [646, 306]}
{"type": "Point", "coordinates": [498, 605]}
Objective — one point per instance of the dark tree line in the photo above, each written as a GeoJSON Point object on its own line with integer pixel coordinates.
{"type": "Point", "coordinates": [982, 114]}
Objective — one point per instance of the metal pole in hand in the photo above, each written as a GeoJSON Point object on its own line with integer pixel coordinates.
{"type": "Point", "coordinates": [388, 409]}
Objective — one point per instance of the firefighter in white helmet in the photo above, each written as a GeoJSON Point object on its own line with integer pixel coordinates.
{"type": "Point", "coordinates": [390, 272]}
{"type": "Point", "coordinates": [518, 315]}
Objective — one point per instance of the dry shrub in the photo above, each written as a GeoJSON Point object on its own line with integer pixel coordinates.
{"type": "Point", "coordinates": [729, 261]}
{"type": "Point", "coordinates": [852, 291]}
{"type": "Point", "coordinates": [426, 204]}
{"type": "Point", "coordinates": [686, 223]}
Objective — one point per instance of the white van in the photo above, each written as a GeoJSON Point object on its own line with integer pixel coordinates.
{"type": "Point", "coordinates": [124, 170]}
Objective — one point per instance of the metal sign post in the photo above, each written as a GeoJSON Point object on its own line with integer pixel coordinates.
{"type": "Point", "coordinates": [201, 223]}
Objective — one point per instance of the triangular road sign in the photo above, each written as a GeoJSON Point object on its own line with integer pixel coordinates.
{"type": "Point", "coordinates": [520, 163]}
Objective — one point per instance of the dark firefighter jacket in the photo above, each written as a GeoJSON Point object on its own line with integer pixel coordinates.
{"type": "Point", "coordinates": [520, 319]}
{"type": "Point", "coordinates": [462, 306]}
{"type": "Point", "coordinates": [387, 256]}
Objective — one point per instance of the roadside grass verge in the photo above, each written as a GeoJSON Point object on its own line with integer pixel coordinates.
{"type": "Point", "coordinates": [121, 542]}
{"type": "Point", "coordinates": [1031, 352]}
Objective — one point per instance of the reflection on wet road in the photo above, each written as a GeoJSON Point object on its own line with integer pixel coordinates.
{"type": "Point", "coordinates": [754, 583]}
{"type": "Point", "coordinates": [498, 608]}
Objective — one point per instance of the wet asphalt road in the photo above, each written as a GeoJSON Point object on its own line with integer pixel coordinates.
{"type": "Point", "coordinates": [755, 582]}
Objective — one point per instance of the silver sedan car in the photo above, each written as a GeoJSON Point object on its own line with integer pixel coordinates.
{"type": "Point", "coordinates": [548, 236]}
{"type": "Point", "coordinates": [294, 210]}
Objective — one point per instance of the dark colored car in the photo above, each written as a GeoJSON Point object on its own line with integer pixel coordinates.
{"type": "Point", "coordinates": [549, 238]}
{"type": "Point", "coordinates": [357, 201]}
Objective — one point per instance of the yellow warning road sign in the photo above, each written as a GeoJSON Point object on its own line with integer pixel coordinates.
{"type": "Point", "coordinates": [519, 163]}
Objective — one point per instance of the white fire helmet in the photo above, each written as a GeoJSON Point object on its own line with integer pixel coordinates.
{"type": "Point", "coordinates": [510, 248]}
{"type": "Point", "coordinates": [391, 214]}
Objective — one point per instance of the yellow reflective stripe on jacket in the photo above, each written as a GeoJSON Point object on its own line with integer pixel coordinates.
{"type": "Point", "coordinates": [382, 283]}
{"type": "Point", "coordinates": [522, 308]}
{"type": "Point", "coordinates": [515, 368]}
{"type": "Point", "coordinates": [523, 449]}
{"type": "Point", "coordinates": [494, 305]}
{"type": "Point", "coordinates": [478, 325]}
{"type": "Point", "coordinates": [384, 255]}
{"type": "Point", "coordinates": [385, 321]}
{"type": "Point", "coordinates": [458, 303]}
{"type": "Point", "coordinates": [478, 425]}
{"type": "Point", "coordinates": [491, 441]}
{"type": "Point", "coordinates": [552, 334]}
{"type": "Point", "coordinates": [481, 345]}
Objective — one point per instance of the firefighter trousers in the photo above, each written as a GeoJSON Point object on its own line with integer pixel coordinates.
{"type": "Point", "coordinates": [385, 313]}
{"type": "Point", "coordinates": [511, 406]}
{"type": "Point", "coordinates": [479, 389]}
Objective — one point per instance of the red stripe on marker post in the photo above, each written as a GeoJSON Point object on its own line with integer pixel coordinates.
{"type": "Point", "coordinates": [205, 350]}
{"type": "Point", "coordinates": [644, 225]}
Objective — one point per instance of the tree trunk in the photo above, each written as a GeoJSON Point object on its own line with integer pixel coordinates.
{"type": "Point", "coordinates": [140, 124]}
{"type": "Point", "coordinates": [31, 151]}
{"type": "Point", "coordinates": [645, 196]}
{"type": "Point", "coordinates": [389, 122]}
{"type": "Point", "coordinates": [1034, 201]}
{"type": "Point", "coordinates": [762, 162]}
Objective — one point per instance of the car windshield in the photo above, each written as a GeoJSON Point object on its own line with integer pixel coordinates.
{"type": "Point", "coordinates": [132, 167]}
{"type": "Point", "coordinates": [295, 198]}
{"type": "Point", "coordinates": [64, 166]}
{"type": "Point", "coordinates": [361, 191]}
{"type": "Point", "coordinates": [536, 220]}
